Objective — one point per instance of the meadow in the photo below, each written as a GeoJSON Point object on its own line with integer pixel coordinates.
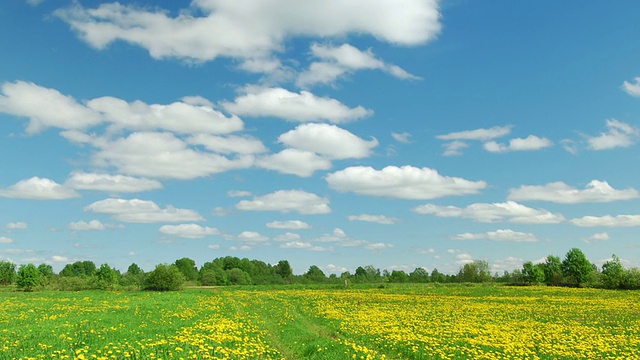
{"type": "Point", "coordinates": [325, 322]}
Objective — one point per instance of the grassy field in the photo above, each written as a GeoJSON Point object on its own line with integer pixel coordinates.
{"type": "Point", "coordinates": [396, 322]}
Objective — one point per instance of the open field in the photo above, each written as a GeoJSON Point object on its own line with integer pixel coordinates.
{"type": "Point", "coordinates": [397, 322]}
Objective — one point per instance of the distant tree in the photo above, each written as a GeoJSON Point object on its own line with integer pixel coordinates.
{"type": "Point", "coordinates": [237, 276]}
{"type": "Point", "coordinates": [315, 274]}
{"type": "Point", "coordinates": [7, 273]}
{"type": "Point", "coordinates": [631, 279]}
{"type": "Point", "coordinates": [212, 274]}
{"type": "Point", "coordinates": [79, 268]}
{"type": "Point", "coordinates": [134, 269]}
{"type": "Point", "coordinates": [164, 278]}
{"type": "Point", "coordinates": [28, 277]}
{"type": "Point", "coordinates": [419, 275]}
{"type": "Point", "coordinates": [532, 274]}
{"type": "Point", "coordinates": [283, 269]}
{"type": "Point", "coordinates": [437, 276]}
{"type": "Point", "coordinates": [613, 273]}
{"type": "Point", "coordinates": [188, 268]}
{"type": "Point", "coordinates": [475, 271]}
{"type": "Point", "coordinates": [398, 276]}
{"type": "Point", "coordinates": [46, 274]}
{"type": "Point", "coordinates": [106, 277]}
{"type": "Point", "coordinates": [576, 267]}
{"type": "Point", "coordinates": [552, 268]}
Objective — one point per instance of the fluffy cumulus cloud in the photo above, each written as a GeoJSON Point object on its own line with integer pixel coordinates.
{"type": "Point", "coordinates": [289, 224]}
{"type": "Point", "coordinates": [608, 221]}
{"type": "Point", "coordinates": [45, 107]}
{"type": "Point", "coordinates": [5, 240]}
{"type": "Point", "coordinates": [328, 140]}
{"type": "Point", "coordinates": [406, 182]}
{"type": "Point", "coordinates": [303, 245]}
{"type": "Point", "coordinates": [295, 162]}
{"type": "Point", "coordinates": [303, 106]}
{"type": "Point", "coordinates": [17, 225]}
{"type": "Point", "coordinates": [287, 237]}
{"type": "Point", "coordinates": [177, 117]}
{"type": "Point", "coordinates": [189, 231]}
{"type": "Point", "coordinates": [529, 143]}
{"type": "Point", "coordinates": [162, 155]}
{"type": "Point", "coordinates": [457, 140]}
{"type": "Point", "coordinates": [110, 183]}
{"type": "Point", "coordinates": [84, 226]}
{"type": "Point", "coordinates": [403, 137]}
{"type": "Point", "coordinates": [597, 237]}
{"type": "Point", "coordinates": [618, 134]}
{"type": "Point", "coordinates": [228, 144]}
{"type": "Point", "coordinates": [378, 246]}
{"type": "Point", "coordinates": [286, 201]}
{"type": "Point", "coordinates": [498, 235]}
{"type": "Point", "coordinates": [142, 211]}
{"type": "Point", "coordinates": [249, 237]}
{"type": "Point", "coordinates": [213, 28]}
{"type": "Point", "coordinates": [37, 188]}
{"type": "Point", "coordinates": [379, 219]}
{"type": "Point", "coordinates": [559, 192]}
{"type": "Point", "coordinates": [632, 87]}
{"type": "Point", "coordinates": [336, 61]}
{"type": "Point", "coordinates": [482, 212]}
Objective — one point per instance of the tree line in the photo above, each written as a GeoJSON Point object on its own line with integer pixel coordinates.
{"type": "Point", "coordinates": [573, 270]}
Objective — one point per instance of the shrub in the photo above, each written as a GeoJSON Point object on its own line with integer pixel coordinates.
{"type": "Point", "coordinates": [164, 278]}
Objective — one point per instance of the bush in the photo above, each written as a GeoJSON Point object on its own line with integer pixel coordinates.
{"type": "Point", "coordinates": [28, 277]}
{"type": "Point", "coordinates": [164, 278]}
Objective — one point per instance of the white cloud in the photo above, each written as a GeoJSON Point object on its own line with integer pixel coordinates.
{"type": "Point", "coordinates": [403, 137]}
{"type": "Point", "coordinates": [509, 263]}
{"type": "Point", "coordinates": [498, 235]}
{"type": "Point", "coordinates": [287, 201]}
{"type": "Point", "coordinates": [597, 237]}
{"type": "Point", "coordinates": [632, 88]}
{"type": "Point", "coordinates": [228, 144]}
{"type": "Point", "coordinates": [142, 211]}
{"type": "Point", "coordinates": [17, 225]}
{"type": "Point", "coordinates": [162, 155]}
{"type": "Point", "coordinates": [189, 231]}
{"type": "Point", "coordinates": [483, 212]}
{"type": "Point", "coordinates": [213, 28]}
{"type": "Point", "coordinates": [464, 258]}
{"type": "Point", "coordinates": [59, 259]}
{"type": "Point", "coordinates": [529, 143]}
{"type": "Point", "coordinates": [344, 59]}
{"type": "Point", "coordinates": [303, 107]}
{"type": "Point", "coordinates": [334, 269]}
{"type": "Point", "coordinates": [619, 134]}
{"type": "Point", "coordinates": [110, 183]}
{"type": "Point", "coordinates": [37, 188]}
{"type": "Point", "coordinates": [45, 107]}
{"type": "Point", "coordinates": [328, 140]}
{"type": "Point", "coordinates": [304, 246]}
{"type": "Point", "coordinates": [482, 134]}
{"type": "Point", "coordinates": [608, 220]}
{"type": "Point", "coordinates": [214, 247]}
{"type": "Point", "coordinates": [406, 182]}
{"type": "Point", "coordinates": [178, 117]}
{"type": "Point", "coordinates": [290, 224]}
{"type": "Point", "coordinates": [293, 161]}
{"type": "Point", "coordinates": [287, 237]}
{"type": "Point", "coordinates": [454, 148]}
{"type": "Point", "coordinates": [249, 237]}
{"type": "Point", "coordinates": [238, 193]}
{"type": "Point", "coordinates": [380, 219]}
{"type": "Point", "coordinates": [84, 226]}
{"type": "Point", "coordinates": [559, 192]}
{"type": "Point", "coordinates": [5, 240]}
{"type": "Point", "coordinates": [378, 246]}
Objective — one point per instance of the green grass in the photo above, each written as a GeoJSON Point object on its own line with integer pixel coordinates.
{"type": "Point", "coordinates": [398, 321]}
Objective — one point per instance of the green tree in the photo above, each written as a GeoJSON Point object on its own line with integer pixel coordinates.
{"type": "Point", "coordinates": [237, 276]}
{"type": "Point", "coordinates": [7, 273]}
{"type": "Point", "coordinates": [475, 271]}
{"type": "Point", "coordinates": [106, 277]}
{"type": "Point", "coordinates": [187, 268]}
{"type": "Point", "coordinates": [283, 269]}
{"type": "Point", "coordinates": [398, 276]}
{"type": "Point", "coordinates": [164, 278]}
{"type": "Point", "coordinates": [134, 269]}
{"type": "Point", "coordinates": [419, 275]}
{"type": "Point", "coordinates": [532, 274]}
{"type": "Point", "coordinates": [315, 275]}
{"type": "Point", "coordinates": [613, 273]}
{"type": "Point", "coordinates": [576, 267]}
{"type": "Point", "coordinates": [552, 268]}
{"type": "Point", "coordinates": [46, 274]}
{"type": "Point", "coordinates": [437, 276]}
{"type": "Point", "coordinates": [28, 277]}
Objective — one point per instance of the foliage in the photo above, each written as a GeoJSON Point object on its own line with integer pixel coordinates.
{"type": "Point", "coordinates": [613, 273]}
{"type": "Point", "coordinates": [134, 269]}
{"type": "Point", "coordinates": [552, 268]}
{"type": "Point", "coordinates": [576, 267]}
{"type": "Point", "coordinates": [187, 268]}
{"type": "Point", "coordinates": [283, 269]}
{"type": "Point", "coordinates": [419, 275]}
{"type": "Point", "coordinates": [7, 273]}
{"type": "Point", "coordinates": [398, 276]}
{"type": "Point", "coordinates": [106, 277]}
{"type": "Point", "coordinates": [532, 274]}
{"type": "Point", "coordinates": [164, 278]}
{"type": "Point", "coordinates": [475, 272]}
{"type": "Point", "coordinates": [315, 275]}
{"type": "Point", "coordinates": [28, 277]}
{"type": "Point", "coordinates": [79, 268]}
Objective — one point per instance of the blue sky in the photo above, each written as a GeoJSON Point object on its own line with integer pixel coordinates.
{"type": "Point", "coordinates": [402, 134]}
